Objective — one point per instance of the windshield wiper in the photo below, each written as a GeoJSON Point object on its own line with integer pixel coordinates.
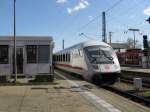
{"type": "Point", "coordinates": [93, 60]}
{"type": "Point", "coordinates": [110, 58]}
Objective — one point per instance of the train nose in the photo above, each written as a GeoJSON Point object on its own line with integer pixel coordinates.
{"type": "Point", "coordinates": [106, 68]}
{"type": "Point", "coordinates": [105, 78]}
{"type": "Point", "coordinates": [95, 67]}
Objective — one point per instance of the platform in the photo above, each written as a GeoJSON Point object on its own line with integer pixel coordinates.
{"type": "Point", "coordinates": [105, 100]}
{"type": "Point", "coordinates": [63, 95]}
{"type": "Point", "coordinates": [136, 71]}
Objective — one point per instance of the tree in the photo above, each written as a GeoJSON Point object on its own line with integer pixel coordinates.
{"type": "Point", "coordinates": [130, 43]}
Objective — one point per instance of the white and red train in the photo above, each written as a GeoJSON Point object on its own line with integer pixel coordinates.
{"type": "Point", "coordinates": [93, 60]}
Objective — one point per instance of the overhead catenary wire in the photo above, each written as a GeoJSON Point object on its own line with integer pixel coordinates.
{"type": "Point", "coordinates": [96, 17]}
{"type": "Point", "coordinates": [85, 25]}
{"type": "Point", "coordinates": [125, 13]}
{"type": "Point", "coordinates": [88, 37]}
{"type": "Point", "coordinates": [114, 5]}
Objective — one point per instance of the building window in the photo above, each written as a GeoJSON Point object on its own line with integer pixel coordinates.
{"type": "Point", "coordinates": [38, 54]}
{"type": "Point", "coordinates": [43, 54]}
{"type": "Point", "coordinates": [4, 54]}
{"type": "Point", "coordinates": [31, 54]}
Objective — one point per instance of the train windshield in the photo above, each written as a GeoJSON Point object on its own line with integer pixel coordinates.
{"type": "Point", "coordinates": [99, 54]}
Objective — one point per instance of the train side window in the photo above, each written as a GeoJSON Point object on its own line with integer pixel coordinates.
{"type": "Point", "coordinates": [3, 54]}
{"type": "Point", "coordinates": [61, 58]}
{"type": "Point", "coordinates": [58, 57]}
{"type": "Point", "coordinates": [54, 58]}
{"type": "Point", "coordinates": [80, 52]}
{"type": "Point", "coordinates": [64, 57]}
{"type": "Point", "coordinates": [69, 57]}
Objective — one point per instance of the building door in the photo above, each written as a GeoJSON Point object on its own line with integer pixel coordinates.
{"type": "Point", "coordinates": [19, 58]}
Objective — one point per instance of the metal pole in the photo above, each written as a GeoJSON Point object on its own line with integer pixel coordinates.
{"type": "Point", "coordinates": [110, 34]}
{"type": "Point", "coordinates": [104, 27]}
{"type": "Point", "coordinates": [134, 38]}
{"type": "Point", "coordinates": [63, 44]}
{"type": "Point", "coordinates": [15, 61]}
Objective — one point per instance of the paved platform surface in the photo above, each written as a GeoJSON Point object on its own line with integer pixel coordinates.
{"type": "Point", "coordinates": [136, 72]}
{"type": "Point", "coordinates": [135, 69]}
{"type": "Point", "coordinates": [61, 96]}
{"type": "Point", "coordinates": [54, 97]}
{"type": "Point", "coordinates": [119, 103]}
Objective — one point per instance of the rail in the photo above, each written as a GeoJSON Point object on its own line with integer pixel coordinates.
{"type": "Point", "coordinates": [132, 96]}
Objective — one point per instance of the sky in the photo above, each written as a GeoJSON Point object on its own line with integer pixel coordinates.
{"type": "Point", "coordinates": [67, 19]}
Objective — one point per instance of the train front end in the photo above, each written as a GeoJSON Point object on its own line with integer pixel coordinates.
{"type": "Point", "coordinates": [103, 64]}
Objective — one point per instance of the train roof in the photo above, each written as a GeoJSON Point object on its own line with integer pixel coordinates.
{"type": "Point", "coordinates": [84, 44]}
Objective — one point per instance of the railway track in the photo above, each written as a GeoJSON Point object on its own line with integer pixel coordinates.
{"type": "Point", "coordinates": [145, 83]}
{"type": "Point", "coordinates": [127, 94]}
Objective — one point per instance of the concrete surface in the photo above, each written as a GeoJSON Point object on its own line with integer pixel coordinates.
{"type": "Point", "coordinates": [60, 97]}
{"type": "Point", "coordinates": [54, 97]}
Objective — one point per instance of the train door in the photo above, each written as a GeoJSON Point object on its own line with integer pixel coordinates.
{"type": "Point", "coordinates": [19, 58]}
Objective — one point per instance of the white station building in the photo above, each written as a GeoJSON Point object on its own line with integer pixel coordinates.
{"type": "Point", "coordinates": [34, 55]}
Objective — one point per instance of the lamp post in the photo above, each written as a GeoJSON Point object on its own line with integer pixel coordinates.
{"type": "Point", "coordinates": [15, 61]}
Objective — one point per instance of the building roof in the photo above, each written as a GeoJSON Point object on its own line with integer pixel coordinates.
{"type": "Point", "coordinates": [26, 38]}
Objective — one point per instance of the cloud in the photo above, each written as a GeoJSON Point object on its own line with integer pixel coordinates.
{"type": "Point", "coordinates": [83, 4]}
{"type": "Point", "coordinates": [147, 11]}
{"type": "Point", "coordinates": [61, 1]}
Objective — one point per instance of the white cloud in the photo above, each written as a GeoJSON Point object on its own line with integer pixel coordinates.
{"type": "Point", "coordinates": [83, 4]}
{"type": "Point", "coordinates": [61, 1]}
{"type": "Point", "coordinates": [69, 10]}
{"type": "Point", "coordinates": [147, 11]}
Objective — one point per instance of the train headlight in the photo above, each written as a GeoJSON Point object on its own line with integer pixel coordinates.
{"type": "Point", "coordinates": [95, 66]}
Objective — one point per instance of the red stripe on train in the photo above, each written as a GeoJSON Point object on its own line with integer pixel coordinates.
{"type": "Point", "coordinates": [69, 66]}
